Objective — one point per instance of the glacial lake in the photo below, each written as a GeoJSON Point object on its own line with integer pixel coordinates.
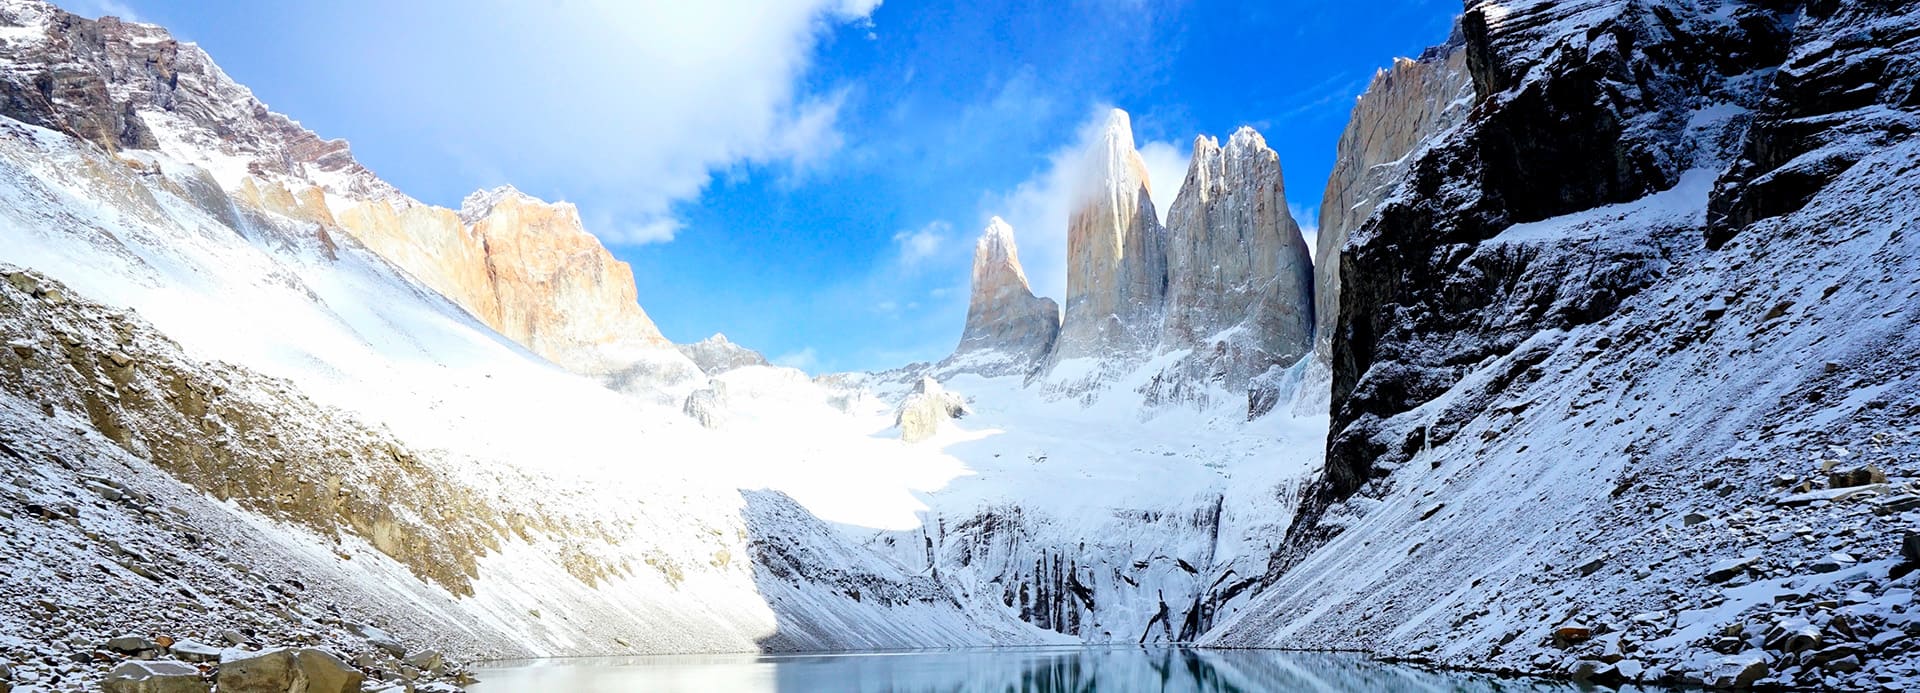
{"type": "Point", "coordinates": [1028, 670]}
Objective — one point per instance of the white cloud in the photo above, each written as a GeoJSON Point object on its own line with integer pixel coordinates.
{"type": "Point", "coordinates": [1308, 217]}
{"type": "Point", "coordinates": [1038, 208]}
{"type": "Point", "coordinates": [629, 107]}
{"type": "Point", "coordinates": [805, 359]}
{"type": "Point", "coordinates": [1166, 170]}
{"type": "Point", "coordinates": [922, 244]}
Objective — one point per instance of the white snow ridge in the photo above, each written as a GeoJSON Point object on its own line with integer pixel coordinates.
{"type": "Point", "coordinates": [1607, 371]}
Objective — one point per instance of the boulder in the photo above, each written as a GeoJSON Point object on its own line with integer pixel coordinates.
{"type": "Point", "coordinates": [137, 676]}
{"type": "Point", "coordinates": [923, 412]}
{"type": "Point", "coordinates": [1571, 634]}
{"type": "Point", "coordinates": [707, 405]}
{"type": "Point", "coordinates": [426, 660]}
{"type": "Point", "coordinates": [194, 651]}
{"type": "Point", "coordinates": [131, 644]}
{"type": "Point", "coordinates": [1727, 569]}
{"type": "Point", "coordinates": [289, 671]}
{"type": "Point", "coordinates": [381, 640]}
{"type": "Point", "coordinates": [1738, 671]}
{"type": "Point", "coordinates": [1856, 476]}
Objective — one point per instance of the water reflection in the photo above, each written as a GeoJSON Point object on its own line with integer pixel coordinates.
{"type": "Point", "coordinates": [1025, 670]}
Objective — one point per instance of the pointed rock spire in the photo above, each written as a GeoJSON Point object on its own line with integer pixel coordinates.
{"type": "Point", "coordinates": [1116, 253]}
{"type": "Point", "coordinates": [1236, 258]}
{"type": "Point", "coordinates": [1004, 318]}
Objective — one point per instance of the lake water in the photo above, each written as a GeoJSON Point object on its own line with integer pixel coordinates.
{"type": "Point", "coordinates": [1028, 670]}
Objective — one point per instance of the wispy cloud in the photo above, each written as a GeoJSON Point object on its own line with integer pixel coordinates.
{"type": "Point", "coordinates": [921, 244]}
{"type": "Point", "coordinates": [1308, 217]}
{"type": "Point", "coordinates": [805, 359]}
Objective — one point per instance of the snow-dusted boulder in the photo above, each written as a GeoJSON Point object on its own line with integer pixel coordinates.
{"type": "Point", "coordinates": [927, 409]}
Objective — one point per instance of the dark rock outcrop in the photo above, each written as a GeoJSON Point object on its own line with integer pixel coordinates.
{"type": "Point", "coordinates": [1850, 87]}
{"type": "Point", "coordinates": [1403, 108]}
{"type": "Point", "coordinates": [1612, 85]}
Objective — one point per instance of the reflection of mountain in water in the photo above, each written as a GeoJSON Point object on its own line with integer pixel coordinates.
{"type": "Point", "coordinates": [1040, 670]}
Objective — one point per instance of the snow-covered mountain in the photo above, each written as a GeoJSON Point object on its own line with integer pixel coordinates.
{"type": "Point", "coordinates": [1604, 369]}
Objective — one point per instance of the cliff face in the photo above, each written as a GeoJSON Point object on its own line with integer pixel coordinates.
{"type": "Point", "coordinates": [1116, 253]}
{"type": "Point", "coordinates": [1614, 86]}
{"type": "Point", "coordinates": [560, 292]}
{"type": "Point", "coordinates": [524, 267]}
{"type": "Point", "coordinates": [1403, 108]}
{"type": "Point", "coordinates": [1009, 330]}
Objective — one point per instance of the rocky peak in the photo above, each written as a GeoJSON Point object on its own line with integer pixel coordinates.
{"type": "Point", "coordinates": [1404, 106]}
{"type": "Point", "coordinates": [1239, 277]}
{"type": "Point", "coordinates": [1235, 255]}
{"type": "Point", "coordinates": [125, 85]}
{"type": "Point", "coordinates": [715, 355]}
{"type": "Point", "coordinates": [480, 203]}
{"type": "Point", "coordinates": [1008, 328]}
{"type": "Point", "coordinates": [1116, 252]}
{"type": "Point", "coordinates": [1638, 92]}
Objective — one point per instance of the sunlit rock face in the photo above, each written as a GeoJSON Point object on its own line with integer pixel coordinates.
{"type": "Point", "coordinates": [1008, 328]}
{"type": "Point", "coordinates": [1403, 107]}
{"type": "Point", "coordinates": [524, 267]}
{"type": "Point", "coordinates": [1116, 252]}
{"type": "Point", "coordinates": [431, 244]}
{"type": "Point", "coordinates": [561, 293]}
{"type": "Point", "coordinates": [528, 269]}
{"type": "Point", "coordinates": [1240, 280]}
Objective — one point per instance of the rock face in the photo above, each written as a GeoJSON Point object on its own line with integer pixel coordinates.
{"type": "Point", "coordinates": [134, 676]}
{"type": "Point", "coordinates": [1817, 100]}
{"type": "Point", "coordinates": [715, 355]}
{"type": "Point", "coordinates": [1116, 252]}
{"type": "Point", "coordinates": [1541, 364]}
{"type": "Point", "coordinates": [1008, 328]}
{"type": "Point", "coordinates": [1240, 280]}
{"type": "Point", "coordinates": [1403, 333]}
{"type": "Point", "coordinates": [1403, 108]}
{"type": "Point", "coordinates": [560, 292]}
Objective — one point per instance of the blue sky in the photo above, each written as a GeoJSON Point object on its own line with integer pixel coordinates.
{"type": "Point", "coordinates": [806, 176]}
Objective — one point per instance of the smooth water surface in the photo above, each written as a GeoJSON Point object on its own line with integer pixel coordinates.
{"type": "Point", "coordinates": [1031, 670]}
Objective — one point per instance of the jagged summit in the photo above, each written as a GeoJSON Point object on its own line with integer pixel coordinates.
{"type": "Point", "coordinates": [478, 204]}
{"type": "Point", "coordinates": [715, 355]}
{"type": "Point", "coordinates": [131, 86]}
{"type": "Point", "coordinates": [1008, 328]}
{"type": "Point", "coordinates": [1239, 277]}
